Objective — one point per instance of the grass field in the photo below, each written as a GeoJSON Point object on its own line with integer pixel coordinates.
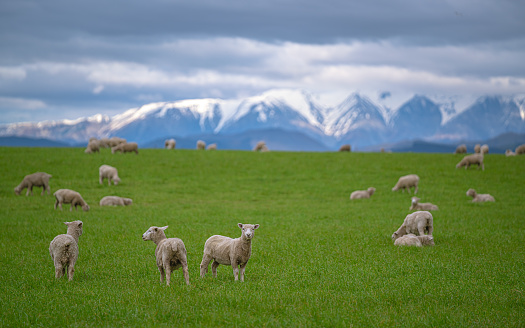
{"type": "Point", "coordinates": [318, 259]}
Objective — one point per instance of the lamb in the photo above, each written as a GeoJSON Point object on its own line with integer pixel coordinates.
{"type": "Point", "coordinates": [201, 145]}
{"type": "Point", "coordinates": [170, 144]}
{"type": "Point", "coordinates": [362, 193]}
{"type": "Point", "coordinates": [260, 146]}
{"type": "Point", "coordinates": [477, 149]}
{"type": "Point", "coordinates": [92, 147]}
{"type": "Point", "coordinates": [64, 250]}
{"type": "Point", "coordinates": [461, 149]}
{"type": "Point", "coordinates": [345, 148]}
{"type": "Point", "coordinates": [413, 240]}
{"type": "Point", "coordinates": [126, 147]}
{"type": "Point", "coordinates": [417, 223]}
{"type": "Point", "coordinates": [520, 150]}
{"type": "Point", "coordinates": [479, 197]}
{"type": "Point", "coordinates": [484, 149]}
{"type": "Point", "coordinates": [67, 196]}
{"type": "Point", "coordinates": [170, 253]}
{"type": "Point", "coordinates": [509, 152]}
{"type": "Point", "coordinates": [212, 147]}
{"type": "Point", "coordinates": [406, 182]}
{"type": "Point", "coordinates": [38, 179]}
{"type": "Point", "coordinates": [426, 240]}
{"type": "Point", "coordinates": [469, 160]}
{"type": "Point", "coordinates": [227, 251]}
{"type": "Point", "coordinates": [416, 205]}
{"type": "Point", "coordinates": [115, 201]}
{"type": "Point", "coordinates": [108, 172]}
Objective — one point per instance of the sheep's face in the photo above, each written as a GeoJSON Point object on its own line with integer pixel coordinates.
{"type": "Point", "coordinates": [248, 230]}
{"type": "Point", "coordinates": [85, 208]}
{"type": "Point", "coordinates": [427, 240]}
{"type": "Point", "coordinates": [127, 201]}
{"type": "Point", "coordinates": [371, 191]}
{"type": "Point", "coordinates": [152, 232]}
{"type": "Point", "coordinates": [116, 181]}
{"type": "Point", "coordinates": [471, 192]}
{"type": "Point", "coordinates": [394, 236]}
{"type": "Point", "coordinates": [17, 191]}
{"type": "Point", "coordinates": [415, 200]}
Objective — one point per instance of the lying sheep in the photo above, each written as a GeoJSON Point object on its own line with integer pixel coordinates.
{"type": "Point", "coordinates": [461, 149]}
{"type": "Point", "coordinates": [509, 152]}
{"type": "Point", "coordinates": [115, 201]}
{"type": "Point", "coordinates": [477, 149]}
{"type": "Point", "coordinates": [64, 250]}
{"type": "Point", "coordinates": [407, 182]}
{"type": "Point", "coordinates": [416, 223]}
{"type": "Point", "coordinates": [227, 251]}
{"type": "Point", "coordinates": [92, 147]}
{"type": "Point", "coordinates": [474, 159]}
{"type": "Point", "coordinates": [520, 150]}
{"type": "Point", "coordinates": [170, 144]}
{"type": "Point", "coordinates": [479, 197]}
{"type": "Point", "coordinates": [416, 205]}
{"type": "Point", "coordinates": [127, 147]}
{"type": "Point", "coordinates": [67, 196]}
{"type": "Point", "coordinates": [484, 149]}
{"type": "Point", "coordinates": [345, 148]}
{"type": "Point", "coordinates": [38, 179]}
{"type": "Point", "coordinates": [201, 145]}
{"type": "Point", "coordinates": [108, 172]}
{"type": "Point", "coordinates": [362, 193]}
{"type": "Point", "coordinates": [413, 240]}
{"type": "Point", "coordinates": [170, 253]}
{"type": "Point", "coordinates": [212, 147]}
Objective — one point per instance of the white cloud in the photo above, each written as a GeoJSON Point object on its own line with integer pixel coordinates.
{"type": "Point", "coordinates": [21, 103]}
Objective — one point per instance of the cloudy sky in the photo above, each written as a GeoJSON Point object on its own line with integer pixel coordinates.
{"type": "Point", "coordinates": [66, 59]}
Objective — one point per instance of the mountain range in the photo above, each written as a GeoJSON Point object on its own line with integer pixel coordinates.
{"type": "Point", "coordinates": [293, 120]}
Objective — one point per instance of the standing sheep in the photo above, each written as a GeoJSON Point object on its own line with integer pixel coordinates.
{"type": "Point", "coordinates": [115, 201]}
{"type": "Point", "coordinates": [461, 149]}
{"type": "Point", "coordinates": [38, 179]}
{"type": "Point", "coordinates": [417, 223]}
{"type": "Point", "coordinates": [520, 149]}
{"type": "Point", "coordinates": [170, 253]}
{"type": "Point", "coordinates": [416, 205]}
{"type": "Point", "coordinates": [484, 149]}
{"type": "Point", "coordinates": [477, 149]}
{"type": "Point", "coordinates": [407, 182]}
{"type": "Point", "coordinates": [67, 196]}
{"type": "Point", "coordinates": [362, 193]}
{"type": "Point", "coordinates": [260, 146]}
{"type": "Point", "coordinates": [227, 251]}
{"type": "Point", "coordinates": [64, 250]}
{"type": "Point", "coordinates": [474, 159]}
{"type": "Point", "coordinates": [108, 172]}
{"type": "Point", "coordinates": [479, 197]}
{"type": "Point", "coordinates": [346, 147]}
{"type": "Point", "coordinates": [201, 145]}
{"type": "Point", "coordinates": [213, 146]}
{"type": "Point", "coordinates": [92, 147]}
{"type": "Point", "coordinates": [170, 144]}
{"type": "Point", "coordinates": [126, 147]}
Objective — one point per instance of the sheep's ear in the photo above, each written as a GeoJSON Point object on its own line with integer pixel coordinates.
{"type": "Point", "coordinates": [80, 224]}
{"type": "Point", "coordinates": [240, 225]}
{"type": "Point", "coordinates": [255, 226]}
{"type": "Point", "coordinates": [67, 223]}
{"type": "Point", "coordinates": [164, 228]}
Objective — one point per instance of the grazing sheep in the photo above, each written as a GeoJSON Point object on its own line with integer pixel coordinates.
{"type": "Point", "coordinates": [484, 149]}
{"type": "Point", "coordinates": [201, 145]}
{"type": "Point", "coordinates": [345, 148]}
{"type": "Point", "coordinates": [92, 147]}
{"type": "Point", "coordinates": [67, 196]}
{"type": "Point", "coordinates": [115, 201]}
{"type": "Point", "coordinates": [259, 146]}
{"type": "Point", "coordinates": [461, 149]}
{"type": "Point", "coordinates": [115, 141]}
{"type": "Point", "coordinates": [108, 172]}
{"type": "Point", "coordinates": [362, 193]}
{"type": "Point", "coordinates": [64, 250]}
{"type": "Point", "coordinates": [413, 240]}
{"type": "Point", "coordinates": [170, 253]}
{"type": "Point", "coordinates": [407, 182]}
{"type": "Point", "coordinates": [520, 150]}
{"type": "Point", "coordinates": [170, 144]}
{"type": "Point", "coordinates": [212, 147]}
{"type": "Point", "coordinates": [477, 149]}
{"type": "Point", "coordinates": [479, 197]}
{"type": "Point", "coordinates": [104, 143]}
{"type": "Point", "coordinates": [227, 251]}
{"type": "Point", "coordinates": [126, 147]}
{"type": "Point", "coordinates": [509, 152]}
{"type": "Point", "coordinates": [38, 179]}
{"type": "Point", "coordinates": [417, 223]}
{"type": "Point", "coordinates": [469, 160]}
{"type": "Point", "coordinates": [416, 205]}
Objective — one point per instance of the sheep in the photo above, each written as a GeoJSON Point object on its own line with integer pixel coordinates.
{"type": "Point", "coordinates": [38, 179]}
{"type": "Point", "coordinates": [417, 223]}
{"type": "Point", "coordinates": [416, 205]}
{"type": "Point", "coordinates": [109, 172]}
{"type": "Point", "coordinates": [67, 196]}
{"type": "Point", "coordinates": [227, 251]}
{"type": "Point", "coordinates": [201, 145]}
{"type": "Point", "coordinates": [115, 141]}
{"type": "Point", "coordinates": [509, 152]}
{"type": "Point", "coordinates": [170, 144]}
{"type": "Point", "coordinates": [484, 149]}
{"type": "Point", "coordinates": [362, 193]}
{"type": "Point", "coordinates": [520, 150]}
{"type": "Point", "coordinates": [477, 149]}
{"type": "Point", "coordinates": [170, 253]}
{"type": "Point", "coordinates": [64, 250]}
{"type": "Point", "coordinates": [469, 160]}
{"type": "Point", "coordinates": [479, 197]}
{"type": "Point", "coordinates": [92, 147]}
{"type": "Point", "coordinates": [413, 240]}
{"type": "Point", "coordinates": [346, 147]}
{"type": "Point", "coordinates": [461, 149]}
{"type": "Point", "coordinates": [115, 201]}
{"type": "Point", "coordinates": [259, 146]}
{"type": "Point", "coordinates": [104, 143]}
{"type": "Point", "coordinates": [212, 147]}
{"type": "Point", "coordinates": [406, 182]}
{"type": "Point", "coordinates": [426, 240]}
{"type": "Point", "coordinates": [126, 147]}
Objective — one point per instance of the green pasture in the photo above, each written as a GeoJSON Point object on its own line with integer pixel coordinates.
{"type": "Point", "coordinates": [318, 259]}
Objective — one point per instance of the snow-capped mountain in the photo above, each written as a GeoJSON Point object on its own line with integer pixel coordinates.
{"type": "Point", "coordinates": [357, 120]}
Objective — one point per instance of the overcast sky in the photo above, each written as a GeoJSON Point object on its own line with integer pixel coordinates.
{"type": "Point", "coordinates": [66, 59]}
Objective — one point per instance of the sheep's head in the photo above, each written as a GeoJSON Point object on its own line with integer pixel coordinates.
{"type": "Point", "coordinates": [248, 230]}
{"type": "Point", "coordinates": [18, 190]}
{"type": "Point", "coordinates": [127, 201]}
{"type": "Point", "coordinates": [371, 191]}
{"type": "Point", "coordinates": [74, 226]}
{"type": "Point", "coordinates": [471, 192]}
{"type": "Point", "coordinates": [153, 232]}
{"type": "Point", "coordinates": [427, 240]}
{"type": "Point", "coordinates": [116, 180]}
{"type": "Point", "coordinates": [85, 207]}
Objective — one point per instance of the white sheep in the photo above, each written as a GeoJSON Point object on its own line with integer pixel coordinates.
{"type": "Point", "coordinates": [480, 197]}
{"type": "Point", "coordinates": [126, 147]}
{"type": "Point", "coordinates": [474, 159]}
{"type": "Point", "coordinates": [92, 147]}
{"type": "Point", "coordinates": [484, 149]}
{"type": "Point", "coordinates": [413, 240]}
{"type": "Point", "coordinates": [346, 147]}
{"type": "Point", "coordinates": [67, 196]}
{"type": "Point", "coordinates": [212, 146]}
{"type": "Point", "coordinates": [461, 149]}
{"type": "Point", "coordinates": [38, 179]}
{"type": "Point", "coordinates": [362, 193]}
{"type": "Point", "coordinates": [170, 144]}
{"type": "Point", "coordinates": [416, 205]}
{"type": "Point", "coordinates": [509, 152]}
{"type": "Point", "coordinates": [477, 149]}
{"type": "Point", "coordinates": [115, 201]}
{"type": "Point", "coordinates": [64, 250]}
{"type": "Point", "coordinates": [407, 182]}
{"type": "Point", "coordinates": [115, 141]}
{"type": "Point", "coordinates": [520, 149]}
{"type": "Point", "coordinates": [201, 145]}
{"type": "Point", "coordinates": [108, 172]}
{"type": "Point", "coordinates": [417, 223]}
{"type": "Point", "coordinates": [260, 146]}
{"type": "Point", "coordinates": [170, 253]}
{"type": "Point", "coordinates": [227, 251]}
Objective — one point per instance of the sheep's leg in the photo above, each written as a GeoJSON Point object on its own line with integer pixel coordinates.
{"type": "Point", "coordinates": [421, 228]}
{"type": "Point", "coordinates": [243, 267]}
{"type": "Point", "coordinates": [56, 203]}
{"type": "Point", "coordinates": [109, 181]}
{"type": "Point", "coordinates": [184, 264]}
{"type": "Point", "coordinates": [70, 271]}
{"type": "Point", "coordinates": [235, 267]}
{"type": "Point", "coordinates": [43, 190]}
{"type": "Point", "coordinates": [48, 189]}
{"type": "Point", "coordinates": [58, 270]}
{"type": "Point", "coordinates": [29, 190]}
{"type": "Point", "coordinates": [162, 273]}
{"type": "Point", "coordinates": [204, 264]}
{"type": "Point", "coordinates": [482, 167]}
{"type": "Point", "coordinates": [430, 229]}
{"type": "Point", "coordinates": [214, 267]}
{"type": "Point", "coordinates": [415, 190]}
{"type": "Point", "coordinates": [167, 268]}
